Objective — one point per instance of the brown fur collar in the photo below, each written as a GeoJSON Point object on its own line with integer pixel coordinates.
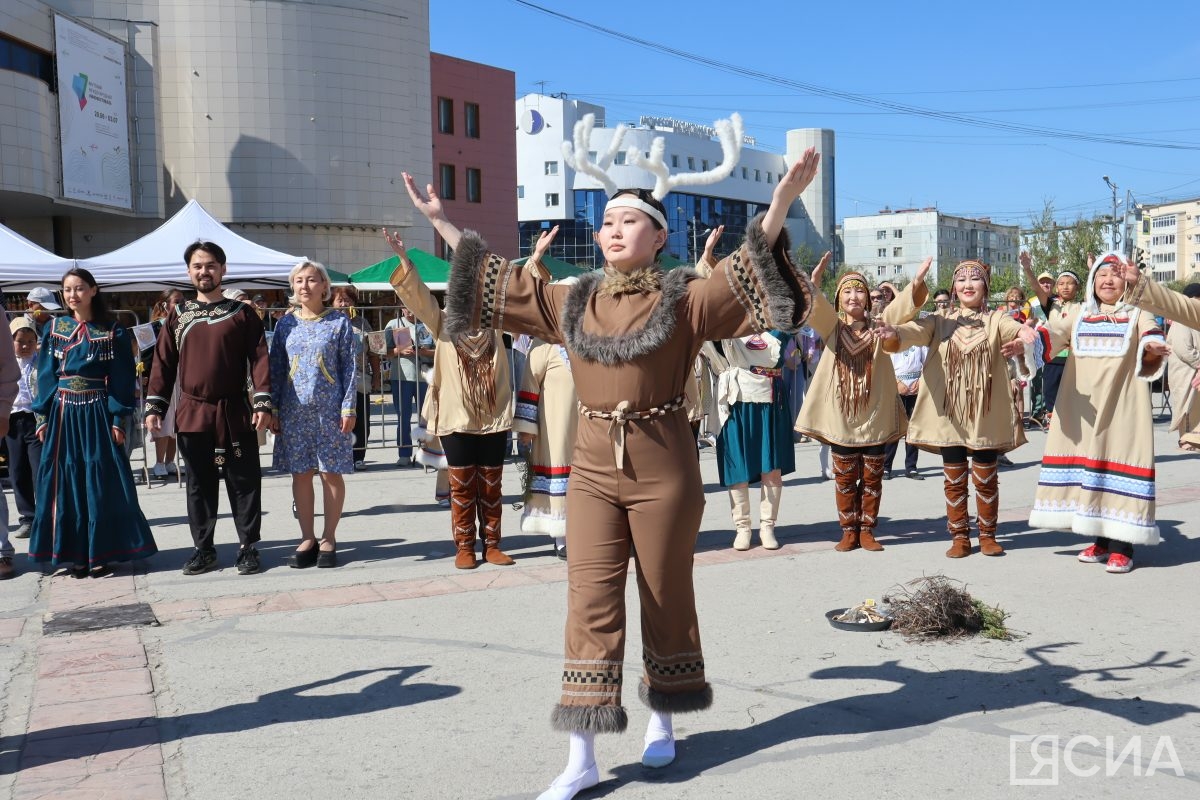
{"type": "Point", "coordinates": [648, 279]}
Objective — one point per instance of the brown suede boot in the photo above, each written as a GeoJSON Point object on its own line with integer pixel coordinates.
{"type": "Point", "coordinates": [986, 478]}
{"type": "Point", "coordinates": [462, 515]}
{"type": "Point", "coordinates": [872, 489]}
{"type": "Point", "coordinates": [846, 473]}
{"type": "Point", "coordinates": [491, 503]}
{"type": "Point", "coordinates": [957, 519]}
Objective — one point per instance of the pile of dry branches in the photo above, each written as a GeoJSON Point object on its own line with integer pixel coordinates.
{"type": "Point", "coordinates": [936, 606]}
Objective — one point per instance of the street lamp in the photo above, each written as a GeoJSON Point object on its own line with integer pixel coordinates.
{"type": "Point", "coordinates": [1116, 233]}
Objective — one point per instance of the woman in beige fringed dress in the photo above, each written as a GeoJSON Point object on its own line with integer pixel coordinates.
{"type": "Point", "coordinates": [964, 409]}
{"type": "Point", "coordinates": [1182, 366]}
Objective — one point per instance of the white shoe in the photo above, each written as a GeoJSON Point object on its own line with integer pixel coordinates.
{"type": "Point", "coordinates": [565, 788]}
{"type": "Point", "coordinates": [159, 470]}
{"type": "Point", "coordinates": [659, 753]}
{"type": "Point", "coordinates": [172, 469]}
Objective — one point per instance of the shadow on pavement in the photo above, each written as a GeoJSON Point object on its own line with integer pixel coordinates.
{"type": "Point", "coordinates": [920, 699]}
{"type": "Point", "coordinates": [281, 707]}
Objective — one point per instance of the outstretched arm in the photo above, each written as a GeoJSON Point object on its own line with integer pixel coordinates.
{"type": "Point", "coordinates": [818, 272]}
{"type": "Point", "coordinates": [1043, 294]}
{"type": "Point", "coordinates": [787, 190]}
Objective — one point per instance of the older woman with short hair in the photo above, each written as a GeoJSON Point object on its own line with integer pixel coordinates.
{"type": "Point", "coordinates": [313, 371]}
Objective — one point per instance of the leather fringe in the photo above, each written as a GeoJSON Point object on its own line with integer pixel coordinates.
{"type": "Point", "coordinates": [967, 374]}
{"type": "Point", "coordinates": [853, 371]}
{"type": "Point", "coordinates": [476, 354]}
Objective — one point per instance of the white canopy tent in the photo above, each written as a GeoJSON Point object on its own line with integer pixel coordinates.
{"type": "Point", "coordinates": [24, 265]}
{"type": "Point", "coordinates": [156, 260]}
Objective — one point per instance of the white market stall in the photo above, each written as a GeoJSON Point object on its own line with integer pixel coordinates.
{"type": "Point", "coordinates": [155, 261]}
{"type": "Point", "coordinates": [24, 265]}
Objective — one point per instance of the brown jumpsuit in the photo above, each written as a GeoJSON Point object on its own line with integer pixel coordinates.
{"type": "Point", "coordinates": [635, 483]}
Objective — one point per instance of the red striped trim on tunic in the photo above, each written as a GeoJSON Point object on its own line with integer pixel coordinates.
{"type": "Point", "coordinates": [1099, 465]}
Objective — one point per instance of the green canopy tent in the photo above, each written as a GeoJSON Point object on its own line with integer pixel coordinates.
{"type": "Point", "coordinates": [558, 269]}
{"type": "Point", "coordinates": [668, 261]}
{"type": "Point", "coordinates": [375, 278]}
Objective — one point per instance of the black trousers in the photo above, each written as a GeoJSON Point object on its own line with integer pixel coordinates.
{"type": "Point", "coordinates": [243, 484]}
{"type": "Point", "coordinates": [24, 455]}
{"type": "Point", "coordinates": [1052, 375]}
{"type": "Point", "coordinates": [910, 451]}
{"type": "Point", "coordinates": [475, 449]}
{"type": "Point", "coordinates": [958, 455]}
{"type": "Point", "coordinates": [873, 450]}
{"type": "Point", "coordinates": [362, 426]}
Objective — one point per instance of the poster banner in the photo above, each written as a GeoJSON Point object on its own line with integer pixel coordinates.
{"type": "Point", "coordinates": [93, 115]}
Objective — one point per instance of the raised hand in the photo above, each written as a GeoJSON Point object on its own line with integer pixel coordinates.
{"type": "Point", "coordinates": [397, 244]}
{"type": "Point", "coordinates": [710, 244]}
{"type": "Point", "coordinates": [798, 177]}
{"type": "Point", "coordinates": [427, 202]}
{"type": "Point", "coordinates": [1157, 349]}
{"type": "Point", "coordinates": [1025, 260]}
{"type": "Point", "coordinates": [545, 238]}
{"type": "Point", "coordinates": [819, 270]}
{"type": "Point", "coordinates": [923, 270]}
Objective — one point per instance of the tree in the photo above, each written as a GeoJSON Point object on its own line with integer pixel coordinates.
{"type": "Point", "coordinates": [1057, 248]}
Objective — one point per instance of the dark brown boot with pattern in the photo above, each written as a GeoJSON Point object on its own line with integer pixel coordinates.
{"type": "Point", "coordinates": [957, 518]}
{"type": "Point", "coordinates": [847, 470]}
{"type": "Point", "coordinates": [491, 504]}
{"type": "Point", "coordinates": [986, 478]}
{"type": "Point", "coordinates": [462, 515]}
{"type": "Point", "coordinates": [872, 490]}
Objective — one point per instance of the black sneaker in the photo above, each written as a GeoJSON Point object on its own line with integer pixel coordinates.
{"type": "Point", "coordinates": [247, 561]}
{"type": "Point", "coordinates": [201, 561]}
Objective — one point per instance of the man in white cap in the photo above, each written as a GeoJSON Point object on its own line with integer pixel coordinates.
{"type": "Point", "coordinates": [38, 305]}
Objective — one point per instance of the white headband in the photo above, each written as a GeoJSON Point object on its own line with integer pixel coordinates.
{"type": "Point", "coordinates": [631, 201]}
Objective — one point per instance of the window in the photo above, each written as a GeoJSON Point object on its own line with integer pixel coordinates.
{"type": "Point", "coordinates": [20, 57]}
{"type": "Point", "coordinates": [881, 252]}
{"type": "Point", "coordinates": [520, 192]}
{"type": "Point", "coordinates": [768, 177]}
{"type": "Point", "coordinates": [897, 252]}
{"type": "Point", "coordinates": [445, 115]}
{"type": "Point", "coordinates": [551, 167]}
{"type": "Point", "coordinates": [619, 158]}
{"type": "Point", "coordinates": [898, 269]}
{"type": "Point", "coordinates": [745, 173]}
{"type": "Point", "coordinates": [881, 271]}
{"type": "Point", "coordinates": [1163, 258]}
{"type": "Point", "coordinates": [704, 165]}
{"type": "Point", "coordinates": [1166, 238]}
{"type": "Point", "coordinates": [880, 234]}
{"type": "Point", "coordinates": [1163, 222]}
{"type": "Point", "coordinates": [1164, 277]}
{"type": "Point", "coordinates": [446, 179]}
{"type": "Point", "coordinates": [551, 199]}
{"type": "Point", "coordinates": [758, 175]}
{"type": "Point", "coordinates": [471, 120]}
{"type": "Point", "coordinates": [898, 233]}
{"type": "Point", "coordinates": [675, 161]}
{"type": "Point", "coordinates": [691, 162]}
{"type": "Point", "coordinates": [781, 176]}
{"type": "Point", "coordinates": [474, 185]}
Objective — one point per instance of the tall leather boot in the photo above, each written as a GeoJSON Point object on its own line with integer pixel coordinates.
{"type": "Point", "coordinates": [462, 515]}
{"type": "Point", "coordinates": [986, 478]}
{"type": "Point", "coordinates": [768, 512]}
{"type": "Point", "coordinates": [739, 508]}
{"type": "Point", "coordinates": [847, 470]}
{"type": "Point", "coordinates": [957, 518]}
{"type": "Point", "coordinates": [872, 490]}
{"type": "Point", "coordinates": [491, 503]}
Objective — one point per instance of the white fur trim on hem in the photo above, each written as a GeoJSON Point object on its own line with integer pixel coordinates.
{"type": "Point", "coordinates": [1094, 526]}
{"type": "Point", "coordinates": [540, 523]}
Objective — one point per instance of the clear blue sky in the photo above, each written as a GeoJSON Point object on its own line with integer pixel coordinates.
{"type": "Point", "coordinates": [1102, 69]}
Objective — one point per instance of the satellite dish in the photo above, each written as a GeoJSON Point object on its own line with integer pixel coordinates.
{"type": "Point", "coordinates": [532, 122]}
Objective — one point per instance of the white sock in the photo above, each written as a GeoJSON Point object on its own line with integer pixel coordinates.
{"type": "Point", "coordinates": [581, 772]}
{"type": "Point", "coordinates": [582, 753]}
{"type": "Point", "coordinates": [659, 741]}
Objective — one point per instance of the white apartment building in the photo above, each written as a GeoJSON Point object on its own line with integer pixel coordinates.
{"type": "Point", "coordinates": [1169, 239]}
{"type": "Point", "coordinates": [892, 244]}
{"type": "Point", "coordinates": [550, 192]}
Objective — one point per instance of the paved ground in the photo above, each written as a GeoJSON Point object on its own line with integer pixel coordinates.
{"type": "Point", "coordinates": [395, 676]}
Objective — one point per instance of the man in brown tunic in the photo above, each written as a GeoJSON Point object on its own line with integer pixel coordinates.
{"type": "Point", "coordinates": [208, 345]}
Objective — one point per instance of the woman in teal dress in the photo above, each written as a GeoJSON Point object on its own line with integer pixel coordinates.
{"type": "Point", "coordinates": [87, 509]}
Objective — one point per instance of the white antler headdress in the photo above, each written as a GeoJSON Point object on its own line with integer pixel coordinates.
{"type": "Point", "coordinates": [729, 133]}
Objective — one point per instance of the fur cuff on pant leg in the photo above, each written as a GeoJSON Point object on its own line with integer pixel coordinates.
{"type": "Point", "coordinates": [590, 719]}
{"type": "Point", "coordinates": [676, 701]}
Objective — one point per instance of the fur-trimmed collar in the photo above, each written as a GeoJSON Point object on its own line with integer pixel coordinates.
{"type": "Point", "coordinates": [647, 279]}
{"type": "Point", "coordinates": [612, 350]}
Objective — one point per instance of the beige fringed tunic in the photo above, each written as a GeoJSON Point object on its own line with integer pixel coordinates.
{"type": "Point", "coordinates": [548, 409]}
{"type": "Point", "coordinates": [852, 400]}
{"type": "Point", "coordinates": [1181, 368]}
{"type": "Point", "coordinates": [964, 398]}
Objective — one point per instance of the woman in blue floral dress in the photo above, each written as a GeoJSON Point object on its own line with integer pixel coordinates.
{"type": "Point", "coordinates": [313, 384]}
{"type": "Point", "coordinates": [87, 512]}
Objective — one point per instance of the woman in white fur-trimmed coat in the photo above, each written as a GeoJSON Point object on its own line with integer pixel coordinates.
{"type": "Point", "coordinates": [1097, 475]}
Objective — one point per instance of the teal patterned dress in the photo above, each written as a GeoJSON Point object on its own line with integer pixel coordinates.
{"type": "Point", "coordinates": [87, 508]}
